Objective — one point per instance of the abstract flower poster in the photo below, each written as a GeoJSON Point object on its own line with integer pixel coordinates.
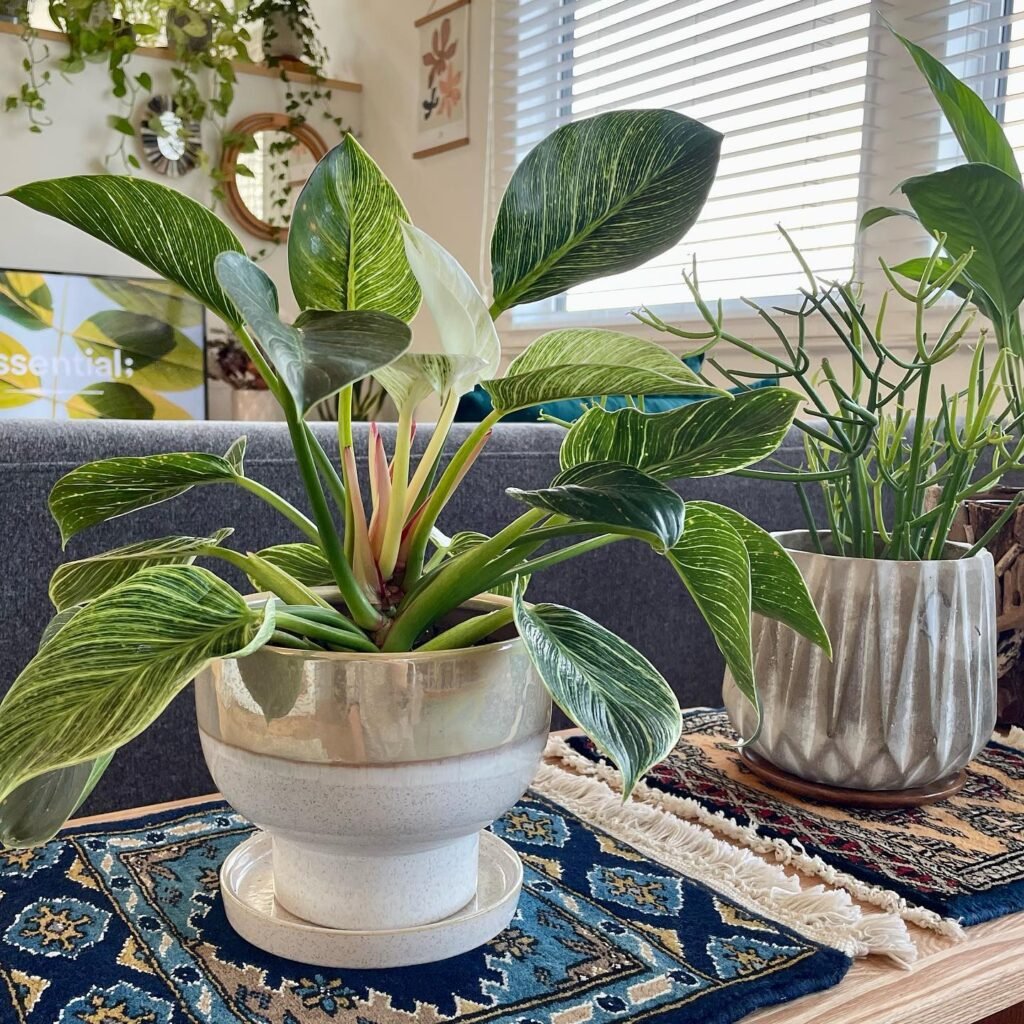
{"type": "Point", "coordinates": [441, 105]}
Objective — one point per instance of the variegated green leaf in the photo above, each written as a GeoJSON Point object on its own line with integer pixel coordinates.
{"type": "Point", "coordinates": [609, 689]}
{"type": "Point", "coordinates": [161, 228]}
{"type": "Point", "coordinates": [708, 438]}
{"type": "Point", "coordinates": [103, 490]}
{"type": "Point", "coordinates": [110, 400]}
{"type": "Point", "coordinates": [599, 196]}
{"type": "Point", "coordinates": [345, 248]}
{"type": "Point", "coordinates": [580, 362]}
{"type": "Point", "coordinates": [25, 299]}
{"type": "Point", "coordinates": [979, 209]}
{"type": "Point", "coordinates": [712, 561]}
{"type": "Point", "coordinates": [615, 496]}
{"type": "Point", "coordinates": [110, 671]}
{"type": "Point", "coordinates": [418, 375]}
{"type": "Point", "coordinates": [77, 582]}
{"type": "Point", "coordinates": [980, 135]}
{"type": "Point", "coordinates": [160, 299]}
{"type": "Point", "coordinates": [463, 323]}
{"type": "Point", "coordinates": [777, 589]}
{"type": "Point", "coordinates": [322, 352]}
{"type": "Point", "coordinates": [144, 350]}
{"type": "Point", "coordinates": [306, 562]}
{"type": "Point", "coordinates": [18, 384]}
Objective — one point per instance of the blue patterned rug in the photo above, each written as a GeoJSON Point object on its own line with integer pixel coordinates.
{"type": "Point", "coordinates": [123, 924]}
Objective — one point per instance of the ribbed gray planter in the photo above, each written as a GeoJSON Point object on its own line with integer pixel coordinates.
{"type": "Point", "coordinates": [910, 695]}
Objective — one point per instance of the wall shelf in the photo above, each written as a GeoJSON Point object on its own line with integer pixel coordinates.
{"type": "Point", "coordinates": [291, 74]}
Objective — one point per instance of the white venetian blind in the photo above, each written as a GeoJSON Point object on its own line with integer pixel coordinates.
{"type": "Point", "coordinates": [785, 82]}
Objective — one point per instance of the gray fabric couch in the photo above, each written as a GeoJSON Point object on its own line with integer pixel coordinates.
{"type": "Point", "coordinates": [624, 586]}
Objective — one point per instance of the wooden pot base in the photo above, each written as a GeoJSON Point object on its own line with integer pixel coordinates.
{"type": "Point", "coordinates": [821, 793]}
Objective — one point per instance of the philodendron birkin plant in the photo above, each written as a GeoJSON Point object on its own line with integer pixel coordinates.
{"type": "Point", "coordinates": [136, 624]}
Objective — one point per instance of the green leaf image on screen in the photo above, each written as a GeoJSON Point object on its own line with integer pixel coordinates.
{"type": "Point", "coordinates": [74, 346]}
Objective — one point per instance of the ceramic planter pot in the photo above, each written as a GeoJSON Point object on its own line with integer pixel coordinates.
{"type": "Point", "coordinates": [280, 40]}
{"type": "Point", "coordinates": [910, 695]}
{"type": "Point", "coordinates": [374, 774]}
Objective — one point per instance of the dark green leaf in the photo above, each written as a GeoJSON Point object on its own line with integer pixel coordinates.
{"type": "Point", "coordinates": [166, 231]}
{"type": "Point", "coordinates": [707, 438]}
{"type": "Point", "coordinates": [110, 400]}
{"type": "Point", "coordinates": [607, 688]}
{"type": "Point", "coordinates": [323, 351]}
{"type": "Point", "coordinates": [599, 196]}
{"type": "Point", "coordinates": [615, 495]}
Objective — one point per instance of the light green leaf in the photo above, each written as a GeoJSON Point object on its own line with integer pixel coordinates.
{"type": "Point", "coordinates": [611, 691]}
{"type": "Point", "coordinates": [580, 362]}
{"type": "Point", "coordinates": [345, 249]}
{"type": "Point", "coordinates": [417, 375]}
{"type": "Point", "coordinates": [620, 497]}
{"type": "Point", "coordinates": [150, 352]}
{"type": "Point", "coordinates": [980, 135]}
{"type": "Point", "coordinates": [777, 589]}
{"type": "Point", "coordinates": [111, 670]}
{"type": "Point", "coordinates": [103, 490]}
{"type": "Point", "coordinates": [708, 438]}
{"type": "Point", "coordinates": [322, 352]}
{"type": "Point", "coordinates": [18, 385]}
{"type": "Point", "coordinates": [712, 561]}
{"type": "Point", "coordinates": [57, 623]}
{"type": "Point", "coordinates": [161, 300]}
{"type": "Point", "coordinates": [25, 299]}
{"type": "Point", "coordinates": [599, 196]}
{"type": "Point", "coordinates": [879, 213]}
{"type": "Point", "coordinates": [74, 583]}
{"type": "Point", "coordinates": [305, 562]}
{"type": "Point", "coordinates": [235, 455]}
{"type": "Point", "coordinates": [110, 400]}
{"type": "Point", "coordinates": [459, 311]}
{"type": "Point", "coordinates": [979, 207]}
{"type": "Point", "coordinates": [164, 230]}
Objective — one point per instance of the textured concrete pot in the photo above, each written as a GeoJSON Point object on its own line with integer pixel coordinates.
{"type": "Point", "coordinates": [910, 695]}
{"type": "Point", "coordinates": [374, 774]}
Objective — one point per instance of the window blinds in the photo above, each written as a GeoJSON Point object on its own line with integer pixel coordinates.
{"type": "Point", "coordinates": [786, 83]}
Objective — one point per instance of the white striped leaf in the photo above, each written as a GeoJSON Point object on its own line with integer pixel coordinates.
{"type": "Point", "coordinates": [777, 589]}
{"type": "Point", "coordinates": [322, 352]}
{"type": "Point", "coordinates": [417, 375]}
{"type": "Point", "coordinates": [345, 248]}
{"type": "Point", "coordinates": [463, 323]}
{"type": "Point", "coordinates": [109, 488]}
{"type": "Point", "coordinates": [581, 362]}
{"type": "Point", "coordinates": [110, 671]}
{"type": "Point", "coordinates": [305, 562]}
{"type": "Point", "coordinates": [978, 208]}
{"type": "Point", "coordinates": [77, 582]}
{"type": "Point", "coordinates": [616, 496]}
{"type": "Point", "coordinates": [707, 438]}
{"type": "Point", "coordinates": [158, 226]}
{"type": "Point", "coordinates": [599, 196]}
{"type": "Point", "coordinates": [980, 135]}
{"type": "Point", "coordinates": [712, 561]}
{"type": "Point", "coordinates": [609, 689]}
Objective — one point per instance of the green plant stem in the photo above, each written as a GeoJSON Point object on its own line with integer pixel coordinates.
{"type": "Point", "coordinates": [281, 639]}
{"type": "Point", "coordinates": [561, 555]}
{"type": "Point", "coordinates": [327, 470]}
{"type": "Point", "coordinates": [454, 584]}
{"type": "Point", "coordinates": [392, 538]}
{"type": "Point", "coordinates": [470, 632]}
{"type": "Point", "coordinates": [284, 507]}
{"type": "Point", "coordinates": [318, 631]}
{"type": "Point", "coordinates": [345, 441]}
{"type": "Point", "coordinates": [441, 494]}
{"type": "Point", "coordinates": [266, 574]}
{"type": "Point", "coordinates": [358, 604]}
{"type": "Point", "coordinates": [327, 616]}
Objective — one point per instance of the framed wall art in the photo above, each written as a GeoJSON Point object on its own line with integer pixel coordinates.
{"type": "Point", "coordinates": [74, 346]}
{"type": "Point", "coordinates": [442, 112]}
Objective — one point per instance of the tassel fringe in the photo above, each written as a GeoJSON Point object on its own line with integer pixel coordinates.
{"type": "Point", "coordinates": [789, 853]}
{"type": "Point", "coordinates": [1014, 738]}
{"type": "Point", "coordinates": [828, 916]}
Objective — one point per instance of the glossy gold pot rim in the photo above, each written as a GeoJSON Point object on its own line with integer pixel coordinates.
{"type": "Point", "coordinates": [959, 549]}
{"type": "Point", "coordinates": [484, 602]}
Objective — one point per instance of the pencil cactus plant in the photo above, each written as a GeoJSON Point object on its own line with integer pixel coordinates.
{"type": "Point", "coordinates": [134, 625]}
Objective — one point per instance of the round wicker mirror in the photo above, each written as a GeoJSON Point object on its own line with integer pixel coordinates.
{"type": "Point", "coordinates": [274, 167]}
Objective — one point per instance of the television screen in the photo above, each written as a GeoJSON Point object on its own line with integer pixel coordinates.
{"type": "Point", "coordinates": [74, 346]}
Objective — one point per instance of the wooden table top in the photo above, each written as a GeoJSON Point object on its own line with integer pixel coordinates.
{"type": "Point", "coordinates": [979, 980]}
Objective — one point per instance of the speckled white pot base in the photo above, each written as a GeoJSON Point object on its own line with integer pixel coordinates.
{"type": "Point", "coordinates": [247, 886]}
{"type": "Point", "coordinates": [374, 847]}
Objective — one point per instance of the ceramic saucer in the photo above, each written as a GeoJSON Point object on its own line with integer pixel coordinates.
{"type": "Point", "coordinates": [247, 885]}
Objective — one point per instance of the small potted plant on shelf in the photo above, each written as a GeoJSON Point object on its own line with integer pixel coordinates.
{"type": "Point", "coordinates": [290, 33]}
{"type": "Point", "coordinates": [375, 705]}
{"type": "Point", "coordinates": [909, 697]}
{"type": "Point", "coordinates": [228, 361]}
